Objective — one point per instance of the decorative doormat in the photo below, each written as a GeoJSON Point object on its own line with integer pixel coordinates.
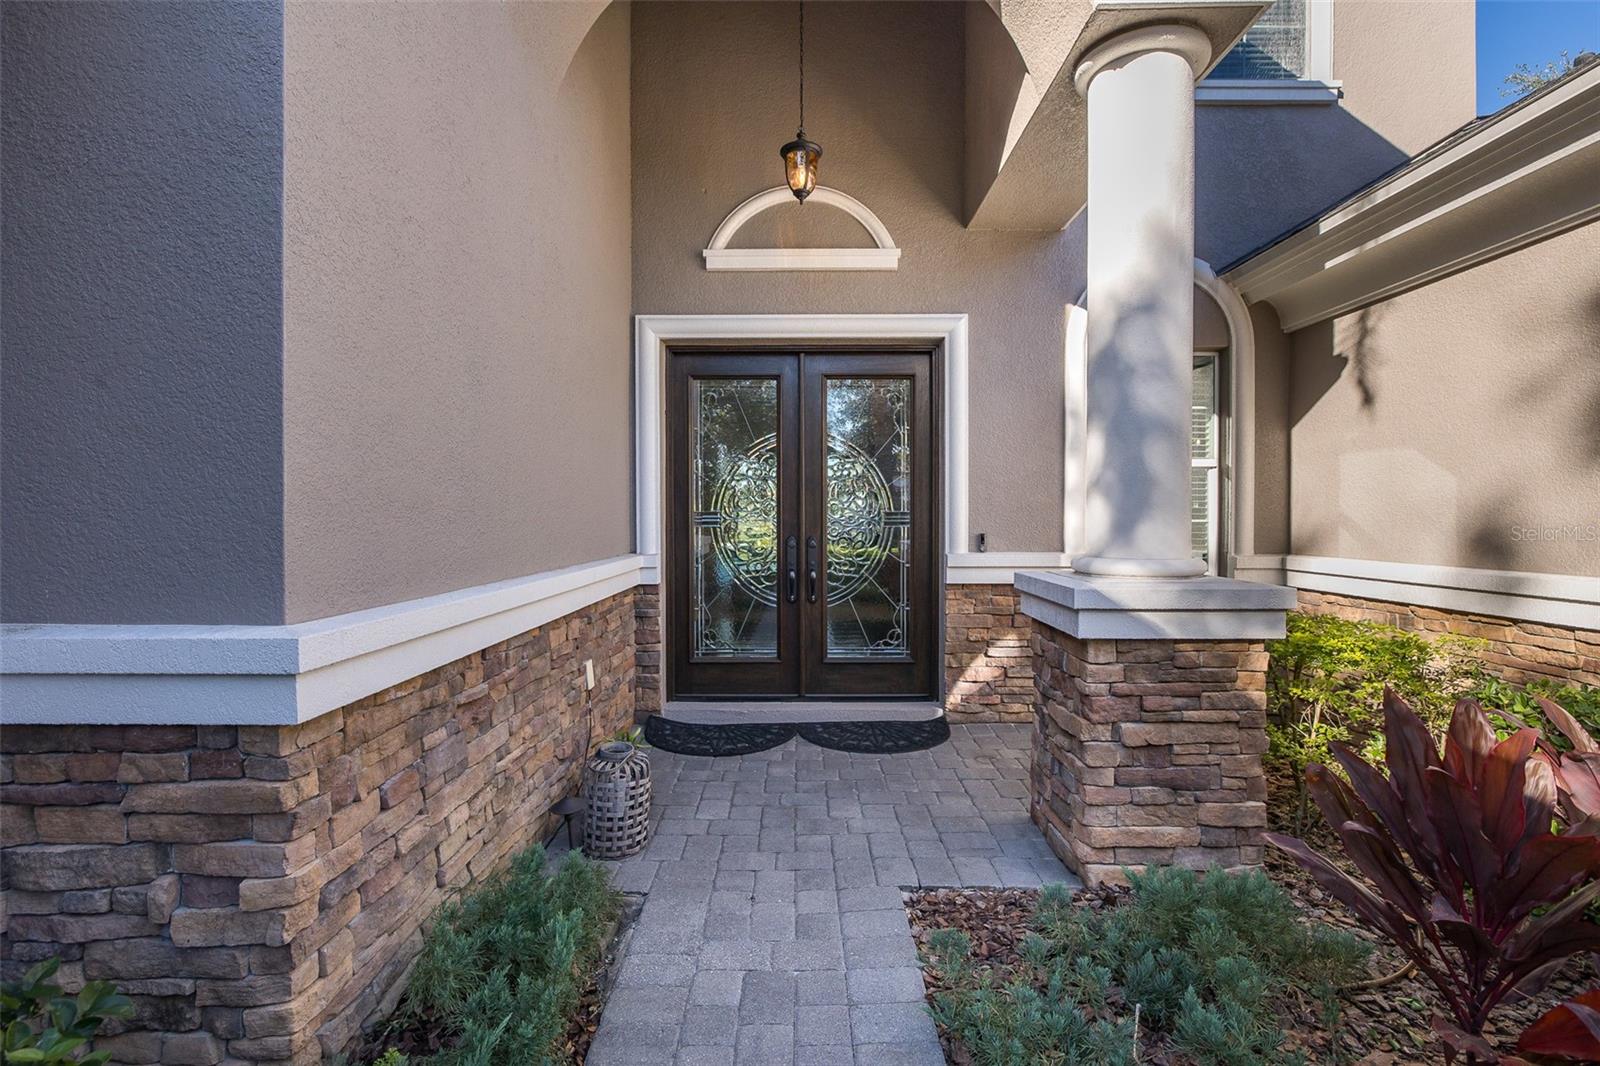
{"type": "Point", "coordinates": [687, 738]}
{"type": "Point", "coordinates": [877, 738]}
{"type": "Point", "coordinates": [866, 738]}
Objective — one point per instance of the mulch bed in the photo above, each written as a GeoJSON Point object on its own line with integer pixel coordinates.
{"type": "Point", "coordinates": [1385, 1025]}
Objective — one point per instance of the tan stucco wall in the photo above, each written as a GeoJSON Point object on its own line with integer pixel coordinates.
{"type": "Point", "coordinates": [456, 292]}
{"type": "Point", "coordinates": [1451, 424]}
{"type": "Point", "coordinates": [1407, 72]}
{"type": "Point", "coordinates": [714, 97]}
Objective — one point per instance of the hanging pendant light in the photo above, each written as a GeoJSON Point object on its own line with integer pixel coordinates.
{"type": "Point", "coordinates": [800, 156]}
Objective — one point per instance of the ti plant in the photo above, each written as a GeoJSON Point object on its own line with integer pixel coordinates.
{"type": "Point", "coordinates": [39, 1024]}
{"type": "Point", "coordinates": [1467, 878]}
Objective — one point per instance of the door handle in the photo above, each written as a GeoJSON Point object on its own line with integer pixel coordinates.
{"type": "Point", "coordinates": [793, 547]}
{"type": "Point", "coordinates": [811, 569]}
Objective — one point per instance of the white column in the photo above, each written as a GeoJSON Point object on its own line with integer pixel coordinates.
{"type": "Point", "coordinates": [1140, 91]}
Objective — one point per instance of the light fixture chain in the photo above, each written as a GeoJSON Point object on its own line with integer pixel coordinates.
{"type": "Point", "coordinates": [802, 65]}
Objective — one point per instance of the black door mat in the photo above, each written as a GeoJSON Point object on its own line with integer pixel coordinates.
{"type": "Point", "coordinates": [867, 738]}
{"type": "Point", "coordinates": [878, 738]}
{"type": "Point", "coordinates": [686, 738]}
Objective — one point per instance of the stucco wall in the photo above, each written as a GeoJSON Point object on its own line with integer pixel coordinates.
{"type": "Point", "coordinates": [139, 286]}
{"type": "Point", "coordinates": [1458, 424]}
{"type": "Point", "coordinates": [714, 97]}
{"type": "Point", "coordinates": [1407, 72]}
{"type": "Point", "coordinates": [457, 349]}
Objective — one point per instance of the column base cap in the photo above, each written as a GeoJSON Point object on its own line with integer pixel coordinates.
{"type": "Point", "coordinates": [1110, 567]}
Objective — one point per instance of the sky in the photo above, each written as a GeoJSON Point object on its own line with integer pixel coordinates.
{"type": "Point", "coordinates": [1529, 31]}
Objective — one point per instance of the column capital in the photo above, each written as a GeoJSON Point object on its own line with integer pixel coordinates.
{"type": "Point", "coordinates": [1177, 38]}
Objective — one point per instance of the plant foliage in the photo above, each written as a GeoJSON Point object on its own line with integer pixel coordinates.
{"type": "Point", "coordinates": [1327, 677]}
{"type": "Point", "coordinates": [503, 969]}
{"type": "Point", "coordinates": [1569, 1031]}
{"type": "Point", "coordinates": [1203, 962]}
{"type": "Point", "coordinates": [40, 1024]}
{"type": "Point", "coordinates": [1466, 877]}
{"type": "Point", "coordinates": [1524, 704]}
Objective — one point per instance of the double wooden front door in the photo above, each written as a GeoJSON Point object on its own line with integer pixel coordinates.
{"type": "Point", "coordinates": [800, 524]}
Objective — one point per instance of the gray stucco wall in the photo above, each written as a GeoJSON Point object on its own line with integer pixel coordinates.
{"type": "Point", "coordinates": [140, 290]}
{"type": "Point", "coordinates": [457, 357]}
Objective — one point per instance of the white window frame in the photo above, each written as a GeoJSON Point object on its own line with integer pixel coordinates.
{"type": "Point", "coordinates": [1213, 464]}
{"type": "Point", "coordinates": [1317, 87]}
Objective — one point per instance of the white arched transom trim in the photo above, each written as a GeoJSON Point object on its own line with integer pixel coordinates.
{"type": "Point", "coordinates": [883, 257]}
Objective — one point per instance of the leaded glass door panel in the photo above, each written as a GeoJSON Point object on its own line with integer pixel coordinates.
{"type": "Point", "coordinates": [734, 594]}
{"type": "Point", "coordinates": [801, 559]}
{"type": "Point", "coordinates": [869, 466]}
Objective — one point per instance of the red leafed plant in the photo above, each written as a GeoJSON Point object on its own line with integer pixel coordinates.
{"type": "Point", "coordinates": [1460, 855]}
{"type": "Point", "coordinates": [1569, 1031]}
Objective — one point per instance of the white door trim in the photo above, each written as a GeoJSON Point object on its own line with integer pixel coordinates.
{"type": "Point", "coordinates": [654, 333]}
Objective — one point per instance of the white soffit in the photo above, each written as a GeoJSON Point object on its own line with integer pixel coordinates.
{"type": "Point", "coordinates": [1516, 178]}
{"type": "Point", "coordinates": [883, 256]}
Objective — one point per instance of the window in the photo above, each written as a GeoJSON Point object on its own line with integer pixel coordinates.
{"type": "Point", "coordinates": [1274, 48]}
{"type": "Point", "coordinates": [1286, 57]}
{"type": "Point", "coordinates": [1205, 473]}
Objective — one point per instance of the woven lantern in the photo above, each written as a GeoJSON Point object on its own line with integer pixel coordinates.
{"type": "Point", "coordinates": [616, 790]}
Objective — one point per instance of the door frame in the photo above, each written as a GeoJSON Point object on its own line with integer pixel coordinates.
{"type": "Point", "coordinates": [655, 336]}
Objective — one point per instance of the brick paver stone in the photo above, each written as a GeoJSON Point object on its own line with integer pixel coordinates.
{"type": "Point", "coordinates": [774, 929]}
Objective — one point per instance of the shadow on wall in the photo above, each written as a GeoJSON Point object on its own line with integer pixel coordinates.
{"type": "Point", "coordinates": [1262, 171]}
{"type": "Point", "coordinates": [1535, 393]}
{"type": "Point", "coordinates": [1321, 359]}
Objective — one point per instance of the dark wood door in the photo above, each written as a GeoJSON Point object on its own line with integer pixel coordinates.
{"type": "Point", "coordinates": [801, 524]}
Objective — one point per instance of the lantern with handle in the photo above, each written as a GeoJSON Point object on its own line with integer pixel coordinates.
{"type": "Point", "coordinates": [616, 793]}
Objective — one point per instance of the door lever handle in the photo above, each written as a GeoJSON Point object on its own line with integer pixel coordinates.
{"type": "Point", "coordinates": [811, 569]}
{"type": "Point", "coordinates": [793, 587]}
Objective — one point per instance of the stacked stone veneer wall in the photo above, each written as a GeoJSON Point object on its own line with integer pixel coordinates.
{"type": "Point", "coordinates": [1148, 752]}
{"type": "Point", "coordinates": [988, 663]}
{"type": "Point", "coordinates": [647, 644]}
{"type": "Point", "coordinates": [1518, 651]}
{"type": "Point", "coordinates": [260, 891]}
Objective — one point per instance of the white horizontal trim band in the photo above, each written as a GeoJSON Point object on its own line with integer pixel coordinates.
{"type": "Point", "coordinates": [802, 258]}
{"type": "Point", "coordinates": [277, 675]}
{"type": "Point", "coordinates": [1548, 599]}
{"type": "Point", "coordinates": [1266, 92]}
{"type": "Point", "coordinates": [998, 568]}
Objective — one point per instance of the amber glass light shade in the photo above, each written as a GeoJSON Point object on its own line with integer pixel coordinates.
{"type": "Point", "coordinates": [800, 165]}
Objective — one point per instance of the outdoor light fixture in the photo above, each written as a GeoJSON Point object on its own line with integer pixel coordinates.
{"type": "Point", "coordinates": [800, 155]}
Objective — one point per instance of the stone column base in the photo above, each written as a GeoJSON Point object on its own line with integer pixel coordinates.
{"type": "Point", "coordinates": [1147, 747]}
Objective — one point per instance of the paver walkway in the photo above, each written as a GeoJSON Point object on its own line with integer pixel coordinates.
{"type": "Point", "coordinates": [773, 930]}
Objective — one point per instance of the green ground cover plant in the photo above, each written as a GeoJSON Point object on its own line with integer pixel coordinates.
{"type": "Point", "coordinates": [502, 970]}
{"type": "Point", "coordinates": [1523, 702]}
{"type": "Point", "coordinates": [40, 1025]}
{"type": "Point", "coordinates": [1199, 965]}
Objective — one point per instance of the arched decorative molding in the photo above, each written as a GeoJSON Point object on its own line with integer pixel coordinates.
{"type": "Point", "coordinates": [883, 257]}
{"type": "Point", "coordinates": [1240, 458]}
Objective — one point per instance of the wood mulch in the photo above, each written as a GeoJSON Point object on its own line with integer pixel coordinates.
{"type": "Point", "coordinates": [1387, 1024]}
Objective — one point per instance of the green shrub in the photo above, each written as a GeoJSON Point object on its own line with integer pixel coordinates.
{"type": "Point", "coordinates": [502, 970]}
{"type": "Point", "coordinates": [40, 1025]}
{"type": "Point", "coordinates": [1326, 680]}
{"type": "Point", "coordinates": [1203, 961]}
{"type": "Point", "coordinates": [1580, 701]}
